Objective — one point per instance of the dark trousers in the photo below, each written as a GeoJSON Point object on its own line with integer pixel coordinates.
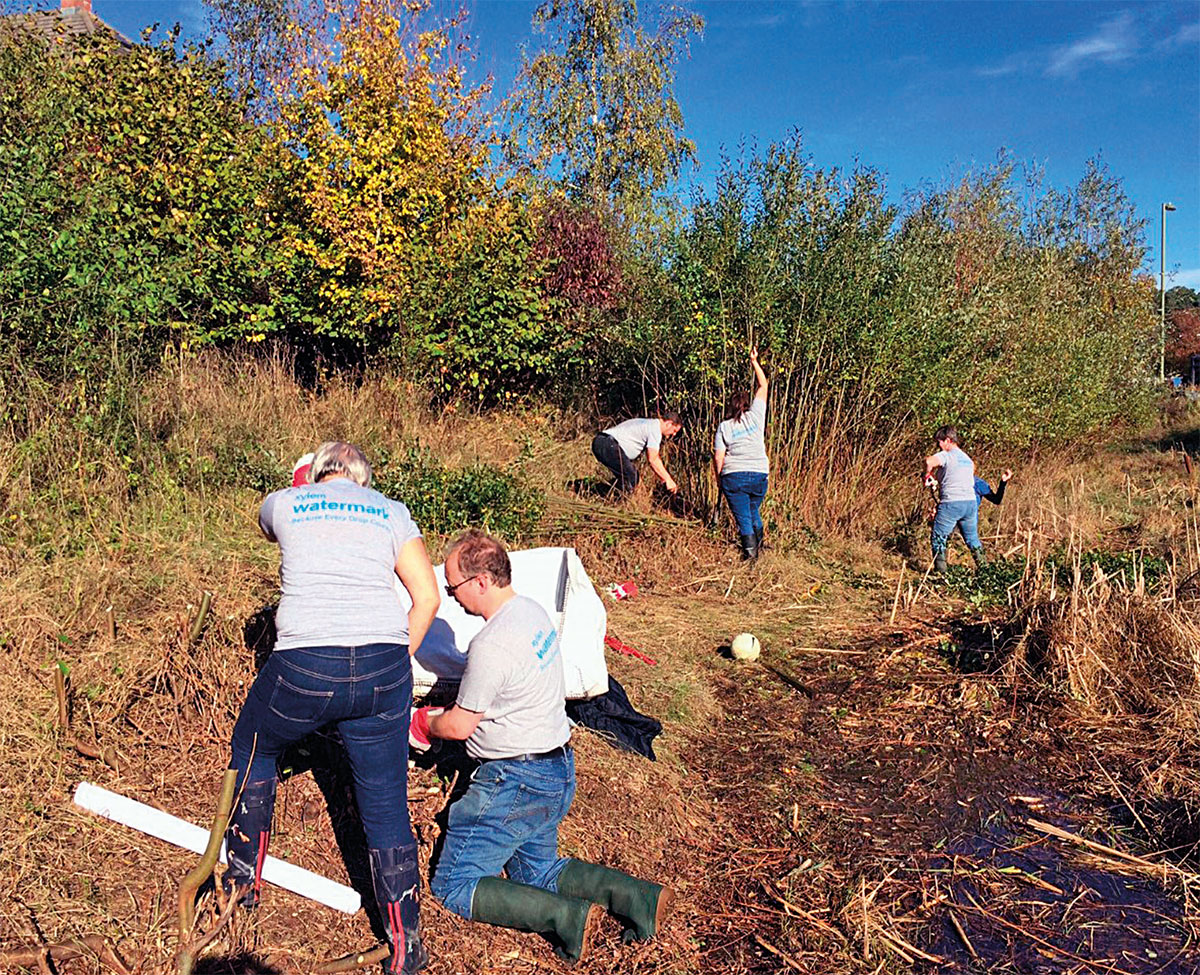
{"type": "Point", "coordinates": [606, 450]}
{"type": "Point", "coordinates": [366, 692]}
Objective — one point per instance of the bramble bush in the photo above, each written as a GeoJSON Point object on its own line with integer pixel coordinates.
{"type": "Point", "coordinates": [445, 500]}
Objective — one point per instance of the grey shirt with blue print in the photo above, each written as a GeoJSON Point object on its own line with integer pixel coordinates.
{"type": "Point", "coordinates": [338, 544]}
{"type": "Point", "coordinates": [956, 475]}
{"type": "Point", "coordinates": [744, 441]}
{"type": "Point", "coordinates": [514, 678]}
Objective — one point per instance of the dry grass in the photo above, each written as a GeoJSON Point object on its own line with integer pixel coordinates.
{"type": "Point", "coordinates": [818, 832]}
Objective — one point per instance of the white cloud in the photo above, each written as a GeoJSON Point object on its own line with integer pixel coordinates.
{"type": "Point", "coordinates": [1189, 278]}
{"type": "Point", "coordinates": [1017, 63]}
{"type": "Point", "coordinates": [1187, 35]}
{"type": "Point", "coordinates": [1112, 43]}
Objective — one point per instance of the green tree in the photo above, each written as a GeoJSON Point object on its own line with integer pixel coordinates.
{"type": "Point", "coordinates": [137, 207]}
{"type": "Point", "coordinates": [1180, 297]}
{"type": "Point", "coordinates": [596, 108]}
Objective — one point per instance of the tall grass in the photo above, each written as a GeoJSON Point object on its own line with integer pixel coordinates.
{"type": "Point", "coordinates": [82, 468]}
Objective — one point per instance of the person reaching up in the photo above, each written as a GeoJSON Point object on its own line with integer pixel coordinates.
{"type": "Point", "coordinates": [740, 459]}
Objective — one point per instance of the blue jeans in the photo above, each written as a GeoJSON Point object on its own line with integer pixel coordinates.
{"type": "Point", "coordinates": [745, 490]}
{"type": "Point", "coordinates": [963, 515]}
{"type": "Point", "coordinates": [507, 820]}
{"type": "Point", "coordinates": [367, 693]}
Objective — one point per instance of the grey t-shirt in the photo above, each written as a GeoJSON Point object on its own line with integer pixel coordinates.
{"type": "Point", "coordinates": [743, 441]}
{"type": "Point", "coordinates": [636, 435]}
{"type": "Point", "coordinates": [956, 475]}
{"type": "Point", "coordinates": [338, 544]}
{"type": "Point", "coordinates": [514, 677]}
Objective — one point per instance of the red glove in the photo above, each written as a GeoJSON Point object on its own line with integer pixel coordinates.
{"type": "Point", "coordinates": [418, 728]}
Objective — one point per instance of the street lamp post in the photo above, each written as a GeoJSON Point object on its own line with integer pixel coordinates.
{"type": "Point", "coordinates": [1162, 295]}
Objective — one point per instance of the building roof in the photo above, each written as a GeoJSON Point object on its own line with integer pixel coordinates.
{"type": "Point", "coordinates": [73, 19]}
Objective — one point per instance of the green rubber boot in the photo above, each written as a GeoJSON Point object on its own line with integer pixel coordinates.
{"type": "Point", "coordinates": [639, 903]}
{"type": "Point", "coordinates": [569, 922]}
{"type": "Point", "coordinates": [939, 563]}
{"type": "Point", "coordinates": [980, 558]}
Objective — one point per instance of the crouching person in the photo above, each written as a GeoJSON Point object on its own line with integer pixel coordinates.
{"type": "Point", "coordinates": [510, 712]}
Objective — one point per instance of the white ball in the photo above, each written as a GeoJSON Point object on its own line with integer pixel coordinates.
{"type": "Point", "coordinates": [745, 646]}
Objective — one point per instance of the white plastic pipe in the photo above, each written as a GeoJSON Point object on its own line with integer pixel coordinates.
{"type": "Point", "coordinates": [155, 822]}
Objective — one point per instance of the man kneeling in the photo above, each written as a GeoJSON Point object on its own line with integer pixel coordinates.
{"type": "Point", "coordinates": [511, 714]}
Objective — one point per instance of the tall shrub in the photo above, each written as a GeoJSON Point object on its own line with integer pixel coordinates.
{"type": "Point", "coordinates": [136, 207]}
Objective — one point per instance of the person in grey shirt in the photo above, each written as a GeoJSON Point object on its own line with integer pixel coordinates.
{"type": "Point", "coordinates": [342, 658]}
{"type": "Point", "coordinates": [958, 505]}
{"type": "Point", "coordinates": [511, 713]}
{"type": "Point", "coordinates": [619, 447]}
{"type": "Point", "coordinates": [740, 459]}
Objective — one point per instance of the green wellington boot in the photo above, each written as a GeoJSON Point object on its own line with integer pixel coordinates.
{"type": "Point", "coordinates": [980, 558]}
{"type": "Point", "coordinates": [568, 921]}
{"type": "Point", "coordinates": [639, 903]}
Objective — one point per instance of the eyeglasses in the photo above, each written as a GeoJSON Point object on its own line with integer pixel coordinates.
{"type": "Point", "coordinates": [450, 590]}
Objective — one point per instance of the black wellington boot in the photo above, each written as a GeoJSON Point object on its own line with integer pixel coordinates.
{"type": "Point", "coordinates": [758, 538]}
{"type": "Point", "coordinates": [570, 922]}
{"type": "Point", "coordinates": [397, 882]}
{"type": "Point", "coordinates": [640, 904]}
{"type": "Point", "coordinates": [247, 839]}
{"type": "Point", "coordinates": [749, 547]}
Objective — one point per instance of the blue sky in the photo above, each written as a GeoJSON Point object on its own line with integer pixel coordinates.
{"type": "Point", "coordinates": [922, 91]}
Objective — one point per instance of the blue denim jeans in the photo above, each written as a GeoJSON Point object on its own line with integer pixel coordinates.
{"type": "Point", "coordinates": [744, 491]}
{"type": "Point", "coordinates": [507, 820]}
{"type": "Point", "coordinates": [367, 693]}
{"type": "Point", "coordinates": [963, 515]}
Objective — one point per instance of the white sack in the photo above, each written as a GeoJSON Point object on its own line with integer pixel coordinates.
{"type": "Point", "coordinates": [553, 577]}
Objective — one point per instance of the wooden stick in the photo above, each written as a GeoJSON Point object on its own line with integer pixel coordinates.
{"type": "Point", "coordinates": [1095, 847]}
{"type": "Point", "coordinates": [201, 617]}
{"type": "Point", "coordinates": [106, 754]}
{"type": "Point", "coordinates": [1120, 794]}
{"type": "Point", "coordinates": [792, 682]}
{"type": "Point", "coordinates": [206, 939]}
{"type": "Point", "coordinates": [348, 963]}
{"type": "Point", "coordinates": [786, 959]}
{"type": "Point", "coordinates": [203, 870]}
{"type": "Point", "coordinates": [791, 908]}
{"type": "Point", "coordinates": [110, 621]}
{"type": "Point", "coordinates": [896, 601]}
{"type": "Point", "coordinates": [60, 691]}
{"type": "Point", "coordinates": [92, 944]}
{"type": "Point", "coordinates": [962, 933]}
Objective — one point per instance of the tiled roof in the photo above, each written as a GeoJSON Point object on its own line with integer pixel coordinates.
{"type": "Point", "coordinates": [70, 22]}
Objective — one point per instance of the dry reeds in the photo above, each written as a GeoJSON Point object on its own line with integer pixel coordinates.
{"type": "Point", "coordinates": [1115, 647]}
